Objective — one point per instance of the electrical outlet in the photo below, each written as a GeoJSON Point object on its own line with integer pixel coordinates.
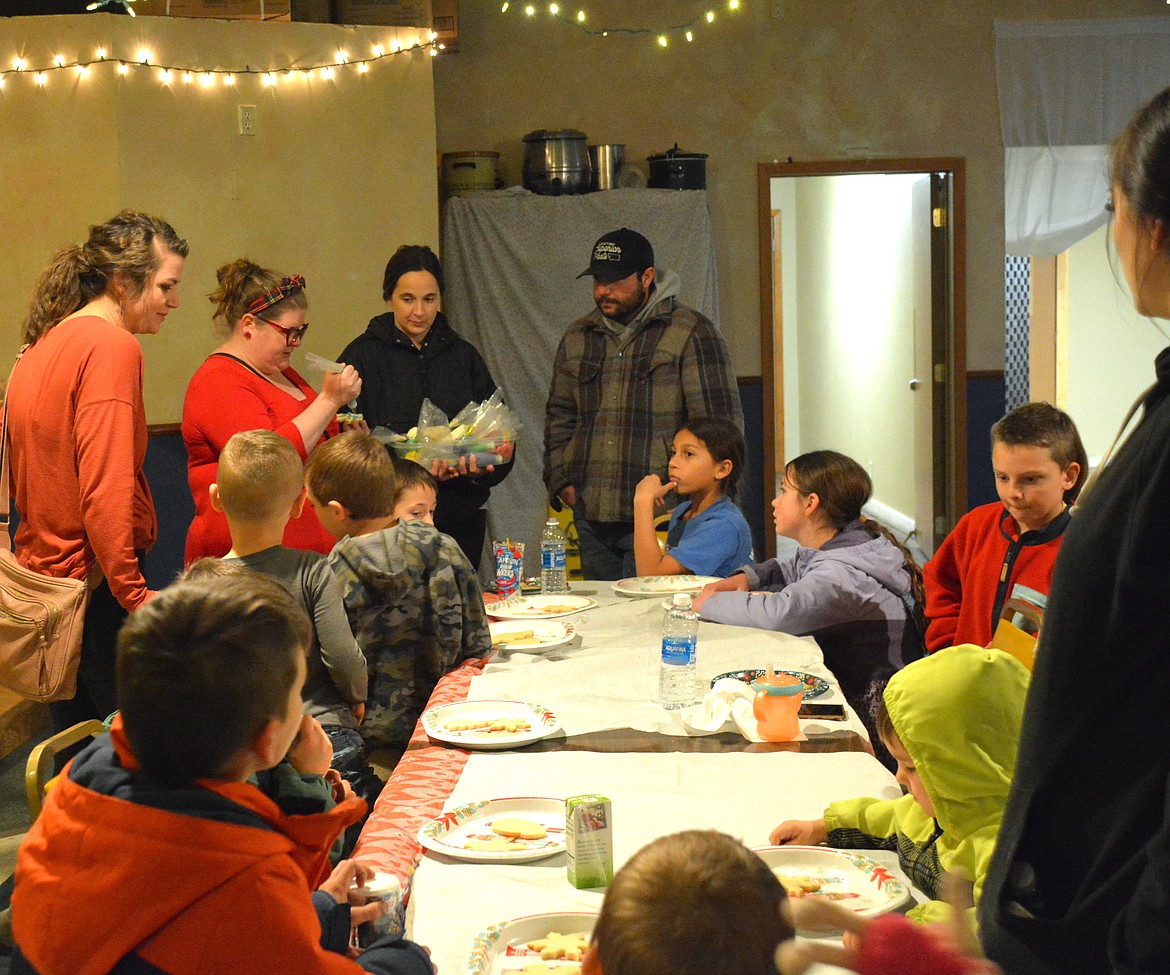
{"type": "Point", "coordinates": [246, 116]}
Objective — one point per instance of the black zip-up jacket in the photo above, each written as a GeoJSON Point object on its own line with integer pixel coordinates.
{"type": "Point", "coordinates": [397, 377]}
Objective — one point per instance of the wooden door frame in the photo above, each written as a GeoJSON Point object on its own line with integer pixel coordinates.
{"type": "Point", "coordinates": [955, 365]}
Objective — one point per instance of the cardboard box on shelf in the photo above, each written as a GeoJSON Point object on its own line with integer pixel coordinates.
{"type": "Point", "coordinates": [385, 13]}
{"type": "Point", "coordinates": [311, 11]}
{"type": "Point", "coordinates": [222, 9]}
{"type": "Point", "coordinates": [445, 21]}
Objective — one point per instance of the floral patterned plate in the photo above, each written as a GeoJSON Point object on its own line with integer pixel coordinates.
{"type": "Point", "coordinates": [642, 586]}
{"type": "Point", "coordinates": [847, 877]}
{"type": "Point", "coordinates": [813, 686]}
{"type": "Point", "coordinates": [502, 948]}
{"type": "Point", "coordinates": [489, 724]}
{"type": "Point", "coordinates": [466, 833]}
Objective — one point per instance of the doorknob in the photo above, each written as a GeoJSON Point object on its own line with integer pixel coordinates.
{"type": "Point", "coordinates": [914, 383]}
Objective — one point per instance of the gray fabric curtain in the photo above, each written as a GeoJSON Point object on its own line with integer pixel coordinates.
{"type": "Point", "coordinates": [511, 259]}
{"type": "Point", "coordinates": [1066, 90]}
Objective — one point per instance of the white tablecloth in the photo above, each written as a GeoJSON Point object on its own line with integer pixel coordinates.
{"type": "Point", "coordinates": [743, 794]}
{"type": "Point", "coordinates": [608, 676]}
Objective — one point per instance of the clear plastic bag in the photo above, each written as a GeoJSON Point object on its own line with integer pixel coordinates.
{"type": "Point", "coordinates": [478, 430]}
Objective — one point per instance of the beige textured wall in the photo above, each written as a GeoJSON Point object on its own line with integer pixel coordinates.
{"type": "Point", "coordinates": [779, 78]}
{"type": "Point", "coordinates": [1111, 347]}
{"type": "Point", "coordinates": [339, 174]}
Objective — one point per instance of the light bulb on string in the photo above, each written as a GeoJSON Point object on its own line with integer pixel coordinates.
{"type": "Point", "coordinates": [123, 68]}
{"type": "Point", "coordinates": [229, 80]}
{"type": "Point", "coordinates": [269, 79]}
{"type": "Point", "coordinates": [41, 78]}
{"type": "Point", "coordinates": [690, 37]}
{"type": "Point", "coordinates": [553, 9]}
{"type": "Point", "coordinates": [165, 76]}
{"type": "Point", "coordinates": [144, 56]}
{"type": "Point", "coordinates": [19, 64]}
{"type": "Point", "coordinates": [378, 50]}
{"type": "Point", "coordinates": [188, 77]}
{"type": "Point", "coordinates": [207, 79]}
{"type": "Point", "coordinates": [83, 70]}
{"type": "Point", "coordinates": [59, 61]}
{"type": "Point", "coordinates": [710, 16]}
{"type": "Point", "coordinates": [662, 40]}
{"type": "Point", "coordinates": [363, 68]}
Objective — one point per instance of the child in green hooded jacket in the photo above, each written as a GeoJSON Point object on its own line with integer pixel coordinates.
{"type": "Point", "coordinates": [952, 722]}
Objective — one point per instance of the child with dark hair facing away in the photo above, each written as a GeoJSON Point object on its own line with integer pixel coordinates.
{"type": "Point", "coordinates": [412, 598]}
{"type": "Point", "coordinates": [693, 903]}
{"type": "Point", "coordinates": [153, 853]}
{"type": "Point", "coordinates": [708, 534]}
{"type": "Point", "coordinates": [1008, 548]}
{"type": "Point", "coordinates": [418, 493]}
{"type": "Point", "coordinates": [259, 487]}
{"type": "Point", "coordinates": [952, 721]}
{"type": "Point", "coordinates": [850, 584]}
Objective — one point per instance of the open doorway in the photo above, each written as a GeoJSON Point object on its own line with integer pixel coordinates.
{"type": "Point", "coordinates": [863, 329]}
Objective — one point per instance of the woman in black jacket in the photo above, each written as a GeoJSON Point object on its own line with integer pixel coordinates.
{"type": "Point", "coordinates": [408, 354]}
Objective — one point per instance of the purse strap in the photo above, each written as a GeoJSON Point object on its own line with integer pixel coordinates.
{"type": "Point", "coordinates": [5, 499]}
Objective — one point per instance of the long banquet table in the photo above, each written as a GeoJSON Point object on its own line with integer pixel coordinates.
{"type": "Point", "coordinates": [617, 741]}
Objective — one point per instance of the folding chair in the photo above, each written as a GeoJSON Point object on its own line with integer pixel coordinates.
{"type": "Point", "coordinates": [41, 768]}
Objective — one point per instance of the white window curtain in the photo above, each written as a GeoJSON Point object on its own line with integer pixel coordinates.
{"type": "Point", "coordinates": [1066, 90]}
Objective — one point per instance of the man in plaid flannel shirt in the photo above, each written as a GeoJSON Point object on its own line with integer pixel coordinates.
{"type": "Point", "coordinates": [627, 376]}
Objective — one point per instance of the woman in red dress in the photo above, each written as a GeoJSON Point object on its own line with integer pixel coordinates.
{"type": "Point", "coordinates": [248, 384]}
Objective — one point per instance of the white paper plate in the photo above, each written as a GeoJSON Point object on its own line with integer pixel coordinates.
{"type": "Point", "coordinates": [848, 878]}
{"type": "Point", "coordinates": [640, 587]}
{"type": "Point", "coordinates": [449, 833]}
{"type": "Point", "coordinates": [539, 607]}
{"type": "Point", "coordinates": [541, 723]}
{"type": "Point", "coordinates": [545, 634]}
{"type": "Point", "coordinates": [502, 948]}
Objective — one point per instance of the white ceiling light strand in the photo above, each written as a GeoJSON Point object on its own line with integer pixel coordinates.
{"type": "Point", "coordinates": [661, 36]}
{"type": "Point", "coordinates": [166, 73]}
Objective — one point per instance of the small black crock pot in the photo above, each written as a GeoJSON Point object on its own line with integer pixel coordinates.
{"type": "Point", "coordinates": [677, 169]}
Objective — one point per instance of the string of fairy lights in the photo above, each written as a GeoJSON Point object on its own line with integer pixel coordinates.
{"type": "Point", "coordinates": [143, 59]}
{"type": "Point", "coordinates": [80, 67]}
{"type": "Point", "coordinates": [582, 21]}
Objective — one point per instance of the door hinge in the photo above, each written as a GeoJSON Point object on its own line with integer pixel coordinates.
{"type": "Point", "coordinates": [938, 217]}
{"type": "Point", "coordinates": [940, 372]}
{"type": "Point", "coordinates": [940, 525]}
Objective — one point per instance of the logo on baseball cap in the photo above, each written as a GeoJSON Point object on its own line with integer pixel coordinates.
{"type": "Point", "coordinates": [619, 254]}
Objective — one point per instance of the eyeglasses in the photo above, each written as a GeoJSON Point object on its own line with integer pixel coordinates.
{"type": "Point", "coordinates": [291, 335]}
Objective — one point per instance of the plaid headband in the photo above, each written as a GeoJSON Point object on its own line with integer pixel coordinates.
{"type": "Point", "coordinates": [287, 286]}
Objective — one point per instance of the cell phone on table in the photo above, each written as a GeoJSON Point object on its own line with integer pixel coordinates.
{"type": "Point", "coordinates": [826, 712]}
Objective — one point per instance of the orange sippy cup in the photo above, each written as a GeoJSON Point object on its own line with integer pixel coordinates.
{"type": "Point", "coordinates": [776, 704]}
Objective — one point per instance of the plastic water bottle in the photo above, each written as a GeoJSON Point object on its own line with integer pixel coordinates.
{"type": "Point", "coordinates": [680, 638]}
{"type": "Point", "coordinates": [553, 577]}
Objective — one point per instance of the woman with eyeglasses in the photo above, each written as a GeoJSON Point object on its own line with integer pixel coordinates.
{"type": "Point", "coordinates": [248, 383]}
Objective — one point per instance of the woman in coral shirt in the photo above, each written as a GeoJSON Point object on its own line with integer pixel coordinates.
{"type": "Point", "coordinates": [77, 430]}
{"type": "Point", "coordinates": [248, 384]}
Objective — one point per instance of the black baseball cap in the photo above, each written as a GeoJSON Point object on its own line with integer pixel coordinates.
{"type": "Point", "coordinates": [619, 254]}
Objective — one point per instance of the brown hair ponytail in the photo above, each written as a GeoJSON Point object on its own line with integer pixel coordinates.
{"type": "Point", "coordinates": [123, 245]}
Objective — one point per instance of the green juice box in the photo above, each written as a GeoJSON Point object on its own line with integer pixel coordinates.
{"type": "Point", "coordinates": [589, 840]}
